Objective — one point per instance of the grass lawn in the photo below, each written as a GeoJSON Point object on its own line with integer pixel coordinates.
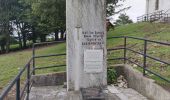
{"type": "Point", "coordinates": [157, 32]}
{"type": "Point", "coordinates": [12, 62]}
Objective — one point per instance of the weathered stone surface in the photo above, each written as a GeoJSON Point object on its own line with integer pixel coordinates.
{"type": "Point", "coordinates": [60, 93]}
{"type": "Point", "coordinates": [143, 85]}
{"type": "Point", "coordinates": [93, 94]}
{"type": "Point", "coordinates": [125, 93]}
{"type": "Point", "coordinates": [116, 92]}
{"type": "Point", "coordinates": [52, 79]}
{"type": "Point", "coordinates": [53, 93]}
{"type": "Point", "coordinates": [131, 94]}
{"type": "Point", "coordinates": [85, 31]}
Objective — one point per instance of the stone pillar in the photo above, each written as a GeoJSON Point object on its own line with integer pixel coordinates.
{"type": "Point", "coordinates": [86, 44]}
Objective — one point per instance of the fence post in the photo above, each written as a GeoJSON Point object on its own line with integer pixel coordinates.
{"type": "Point", "coordinates": [144, 57]}
{"type": "Point", "coordinates": [18, 89]}
{"type": "Point", "coordinates": [125, 40]}
{"type": "Point", "coordinates": [33, 58]}
{"type": "Point", "coordinates": [28, 79]}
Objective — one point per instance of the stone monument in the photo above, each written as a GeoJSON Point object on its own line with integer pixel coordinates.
{"type": "Point", "coordinates": [86, 44]}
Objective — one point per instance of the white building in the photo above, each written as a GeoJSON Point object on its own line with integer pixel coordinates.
{"type": "Point", "coordinates": [157, 5]}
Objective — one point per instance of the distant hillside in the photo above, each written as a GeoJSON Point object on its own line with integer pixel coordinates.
{"type": "Point", "coordinates": [153, 31]}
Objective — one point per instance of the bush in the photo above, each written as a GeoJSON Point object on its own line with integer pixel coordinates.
{"type": "Point", "coordinates": [111, 76]}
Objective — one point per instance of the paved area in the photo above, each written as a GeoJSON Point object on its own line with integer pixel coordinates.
{"type": "Point", "coordinates": [131, 94]}
{"type": "Point", "coordinates": [60, 93]}
{"type": "Point", "coordinates": [53, 93]}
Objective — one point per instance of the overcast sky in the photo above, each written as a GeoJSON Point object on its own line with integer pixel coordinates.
{"type": "Point", "coordinates": [137, 8]}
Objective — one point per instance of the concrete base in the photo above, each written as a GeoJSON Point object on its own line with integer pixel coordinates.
{"type": "Point", "coordinates": [143, 85]}
{"type": "Point", "coordinates": [98, 94]}
{"type": "Point", "coordinates": [52, 79]}
{"type": "Point", "coordinates": [131, 94]}
{"type": "Point", "coordinates": [53, 93]}
{"type": "Point", "coordinates": [45, 87]}
{"type": "Point", "coordinates": [50, 87]}
{"type": "Point", "coordinates": [60, 93]}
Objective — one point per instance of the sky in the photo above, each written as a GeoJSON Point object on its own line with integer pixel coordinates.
{"type": "Point", "coordinates": [137, 8]}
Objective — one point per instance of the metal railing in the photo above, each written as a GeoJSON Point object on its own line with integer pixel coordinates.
{"type": "Point", "coordinates": [151, 17]}
{"type": "Point", "coordinates": [24, 92]}
{"type": "Point", "coordinates": [144, 54]}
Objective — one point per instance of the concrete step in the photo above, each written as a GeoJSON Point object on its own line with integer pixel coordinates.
{"type": "Point", "coordinates": [53, 93]}
{"type": "Point", "coordinates": [126, 93]}
{"type": "Point", "coordinates": [131, 94]}
{"type": "Point", "coordinates": [60, 93]}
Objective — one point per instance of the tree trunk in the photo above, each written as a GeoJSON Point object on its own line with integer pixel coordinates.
{"type": "Point", "coordinates": [62, 34]}
{"type": "Point", "coordinates": [20, 40]}
{"type": "Point", "coordinates": [43, 37]}
{"type": "Point", "coordinates": [2, 44]}
{"type": "Point", "coordinates": [56, 36]}
{"type": "Point", "coordinates": [65, 36]}
{"type": "Point", "coordinates": [7, 45]}
{"type": "Point", "coordinates": [2, 48]}
{"type": "Point", "coordinates": [24, 40]}
{"type": "Point", "coordinates": [19, 34]}
{"type": "Point", "coordinates": [34, 37]}
{"type": "Point", "coordinates": [7, 31]}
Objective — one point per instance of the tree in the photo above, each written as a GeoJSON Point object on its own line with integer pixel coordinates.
{"type": "Point", "coordinates": [7, 9]}
{"type": "Point", "coordinates": [51, 16]}
{"type": "Point", "coordinates": [123, 19]}
{"type": "Point", "coordinates": [21, 20]}
{"type": "Point", "coordinates": [2, 42]}
{"type": "Point", "coordinates": [112, 5]}
{"type": "Point", "coordinates": [35, 18]}
{"type": "Point", "coordinates": [30, 19]}
{"type": "Point", "coordinates": [110, 9]}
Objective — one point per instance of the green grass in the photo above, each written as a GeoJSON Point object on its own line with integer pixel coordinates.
{"type": "Point", "coordinates": [157, 32]}
{"type": "Point", "coordinates": [12, 62]}
{"type": "Point", "coordinates": [14, 46]}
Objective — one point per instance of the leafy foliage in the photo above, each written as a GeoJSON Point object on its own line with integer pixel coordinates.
{"type": "Point", "coordinates": [111, 76]}
{"type": "Point", "coordinates": [112, 5]}
{"type": "Point", "coordinates": [51, 14]}
{"type": "Point", "coordinates": [123, 19]}
{"type": "Point", "coordinates": [34, 19]}
{"type": "Point", "coordinates": [30, 20]}
{"type": "Point", "coordinates": [7, 12]}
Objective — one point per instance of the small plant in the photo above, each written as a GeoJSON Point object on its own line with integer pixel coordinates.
{"type": "Point", "coordinates": [111, 76]}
